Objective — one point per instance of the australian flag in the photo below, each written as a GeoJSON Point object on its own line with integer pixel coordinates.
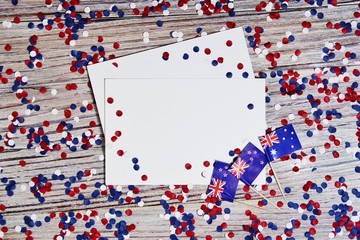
{"type": "Point", "coordinates": [248, 164]}
{"type": "Point", "coordinates": [280, 142]}
{"type": "Point", "coordinates": [222, 184]}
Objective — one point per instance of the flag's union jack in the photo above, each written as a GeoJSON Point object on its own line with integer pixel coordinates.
{"type": "Point", "coordinates": [216, 188]}
{"type": "Point", "coordinates": [269, 140]}
{"type": "Point", "coordinates": [238, 167]}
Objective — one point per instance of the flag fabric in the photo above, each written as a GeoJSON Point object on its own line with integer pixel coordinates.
{"type": "Point", "coordinates": [248, 164]}
{"type": "Point", "coordinates": [222, 184]}
{"type": "Point", "coordinates": [280, 142]}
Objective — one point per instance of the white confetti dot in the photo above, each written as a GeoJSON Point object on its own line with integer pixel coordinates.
{"type": "Point", "coordinates": [118, 188]}
{"type": "Point", "coordinates": [206, 217]}
{"type": "Point", "coordinates": [265, 51]}
{"type": "Point", "coordinates": [307, 14]}
{"type": "Point", "coordinates": [203, 34]}
{"type": "Point", "coordinates": [59, 8]}
{"type": "Point", "coordinates": [1, 234]}
{"type": "Point", "coordinates": [305, 30]}
{"type": "Point", "coordinates": [101, 157]}
{"type": "Point", "coordinates": [23, 187]}
{"type": "Point", "coordinates": [289, 225]}
{"type": "Point", "coordinates": [76, 119]}
{"type": "Point", "coordinates": [293, 97]}
{"type": "Point", "coordinates": [72, 43]}
{"type": "Point", "coordinates": [32, 54]}
{"type": "Point", "coordinates": [53, 92]}
{"type": "Point", "coordinates": [277, 107]}
{"type": "Point", "coordinates": [179, 39]}
{"type": "Point", "coordinates": [348, 150]}
{"type": "Point", "coordinates": [141, 203]}
{"type": "Point", "coordinates": [146, 40]}
{"type": "Point", "coordinates": [321, 150]}
{"type": "Point", "coordinates": [87, 9]}
{"type": "Point", "coordinates": [54, 111]}
{"type": "Point", "coordinates": [166, 12]}
{"type": "Point", "coordinates": [33, 216]}
{"type": "Point", "coordinates": [93, 171]}
{"type": "Point", "coordinates": [103, 187]}
{"type": "Point", "coordinates": [345, 61]}
{"type": "Point", "coordinates": [257, 50]}
{"type": "Point", "coordinates": [132, 5]}
{"type": "Point", "coordinates": [291, 116]}
{"type": "Point", "coordinates": [231, 5]}
{"type": "Point", "coordinates": [85, 34]}
{"type": "Point", "coordinates": [18, 228]}
{"type": "Point", "coordinates": [203, 196]}
{"type": "Point", "coordinates": [331, 235]}
{"type": "Point", "coordinates": [210, 205]}
{"type": "Point", "coordinates": [177, 214]}
{"type": "Point", "coordinates": [200, 212]}
{"type": "Point", "coordinates": [146, 34]}
{"type": "Point", "coordinates": [294, 58]}
{"type": "Point", "coordinates": [198, 6]}
{"type": "Point", "coordinates": [59, 238]}
{"type": "Point", "coordinates": [226, 216]}
{"type": "Point", "coordinates": [11, 142]}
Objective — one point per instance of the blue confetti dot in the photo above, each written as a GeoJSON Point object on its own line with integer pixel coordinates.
{"type": "Point", "coordinates": [250, 106]}
{"type": "Point", "coordinates": [186, 56]}
{"type": "Point", "coordinates": [229, 74]}
{"type": "Point", "coordinates": [159, 23]}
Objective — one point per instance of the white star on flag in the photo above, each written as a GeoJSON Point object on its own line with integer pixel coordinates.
{"type": "Point", "coordinates": [273, 152]}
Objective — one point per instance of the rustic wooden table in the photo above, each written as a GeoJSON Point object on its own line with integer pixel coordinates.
{"type": "Point", "coordinates": [47, 88]}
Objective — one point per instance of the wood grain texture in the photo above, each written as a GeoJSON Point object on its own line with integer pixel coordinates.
{"type": "Point", "coordinates": [55, 74]}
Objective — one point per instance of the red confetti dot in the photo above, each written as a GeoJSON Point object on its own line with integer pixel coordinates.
{"type": "Point", "coordinates": [119, 113]}
{"type": "Point", "coordinates": [128, 212]}
{"type": "Point", "coordinates": [120, 153]}
{"type": "Point", "coordinates": [144, 178]}
{"type": "Point", "coordinates": [116, 45]}
{"type": "Point", "coordinates": [63, 155]}
{"type": "Point", "coordinates": [7, 47]}
{"type": "Point", "coordinates": [206, 163]}
{"type": "Point", "coordinates": [22, 163]}
{"type": "Point", "coordinates": [240, 66]}
{"type": "Point", "coordinates": [188, 166]}
{"type": "Point", "coordinates": [229, 43]}
{"type": "Point", "coordinates": [42, 90]}
{"type": "Point", "coordinates": [16, 20]}
{"type": "Point", "coordinates": [207, 51]}
{"type": "Point", "coordinates": [110, 100]}
{"type": "Point", "coordinates": [100, 39]}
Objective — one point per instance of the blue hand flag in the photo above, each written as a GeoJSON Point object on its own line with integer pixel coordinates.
{"type": "Point", "coordinates": [222, 184]}
{"type": "Point", "coordinates": [280, 142]}
{"type": "Point", "coordinates": [249, 164]}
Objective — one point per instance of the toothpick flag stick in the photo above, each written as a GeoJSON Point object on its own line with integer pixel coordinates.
{"type": "Point", "coordinates": [252, 206]}
{"type": "Point", "coordinates": [254, 189]}
{"type": "Point", "coordinates": [278, 182]}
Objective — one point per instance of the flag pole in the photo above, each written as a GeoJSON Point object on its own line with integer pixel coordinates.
{"type": "Point", "coordinates": [254, 189]}
{"type": "Point", "coordinates": [252, 206]}
{"type": "Point", "coordinates": [277, 181]}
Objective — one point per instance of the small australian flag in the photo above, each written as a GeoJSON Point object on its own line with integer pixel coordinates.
{"type": "Point", "coordinates": [222, 184]}
{"type": "Point", "coordinates": [248, 164]}
{"type": "Point", "coordinates": [280, 142]}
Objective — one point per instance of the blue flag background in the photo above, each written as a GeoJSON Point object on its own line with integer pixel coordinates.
{"type": "Point", "coordinates": [222, 184]}
{"type": "Point", "coordinates": [280, 142]}
{"type": "Point", "coordinates": [249, 164]}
